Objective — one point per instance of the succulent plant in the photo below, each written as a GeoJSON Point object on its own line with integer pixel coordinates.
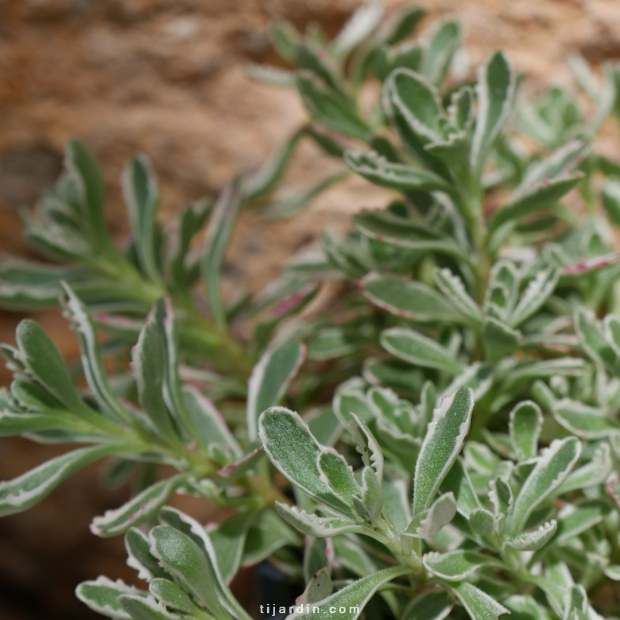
{"type": "Point", "coordinates": [457, 447]}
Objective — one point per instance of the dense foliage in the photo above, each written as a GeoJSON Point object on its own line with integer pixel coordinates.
{"type": "Point", "coordinates": [457, 449]}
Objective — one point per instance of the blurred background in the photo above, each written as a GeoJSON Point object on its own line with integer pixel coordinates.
{"type": "Point", "coordinates": [166, 77]}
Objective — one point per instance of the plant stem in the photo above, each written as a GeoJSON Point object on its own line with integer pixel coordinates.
{"type": "Point", "coordinates": [224, 352]}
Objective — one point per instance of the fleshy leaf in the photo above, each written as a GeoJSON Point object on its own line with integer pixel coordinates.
{"type": "Point", "coordinates": [221, 224]}
{"type": "Point", "coordinates": [30, 488]}
{"type": "Point", "coordinates": [419, 350]}
{"type": "Point", "coordinates": [525, 425]}
{"type": "Point", "coordinates": [552, 468]}
{"type": "Point", "coordinates": [102, 595]}
{"type": "Point", "coordinates": [495, 90]}
{"type": "Point", "coordinates": [406, 298]}
{"type": "Point", "coordinates": [441, 446]}
{"type": "Point", "coordinates": [351, 597]}
{"type": "Point", "coordinates": [270, 378]}
{"type": "Point", "coordinates": [431, 605]}
{"type": "Point", "coordinates": [140, 508]}
{"type": "Point", "coordinates": [142, 197]}
{"type": "Point", "coordinates": [457, 565]}
{"type": "Point", "coordinates": [479, 605]}
{"type": "Point", "coordinates": [294, 451]}
{"type": "Point", "coordinates": [380, 171]}
{"type": "Point", "coordinates": [535, 539]}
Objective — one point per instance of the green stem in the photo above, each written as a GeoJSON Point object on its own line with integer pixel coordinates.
{"type": "Point", "coordinates": [224, 352]}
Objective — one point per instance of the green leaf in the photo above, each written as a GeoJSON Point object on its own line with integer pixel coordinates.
{"type": "Point", "coordinates": [499, 339]}
{"type": "Point", "coordinates": [228, 539]}
{"type": "Point", "coordinates": [594, 472]}
{"type": "Point", "coordinates": [310, 57]}
{"type": "Point", "coordinates": [524, 607]}
{"type": "Point", "coordinates": [594, 341]}
{"type": "Point", "coordinates": [561, 161]}
{"type": "Point", "coordinates": [500, 494]}
{"type": "Point", "coordinates": [419, 350]}
{"type": "Point", "coordinates": [610, 194]}
{"type": "Point", "coordinates": [149, 368]}
{"type": "Point", "coordinates": [481, 521]}
{"type": "Point", "coordinates": [285, 38]}
{"type": "Point", "coordinates": [458, 482]}
{"type": "Point", "coordinates": [13, 422]}
{"type": "Point", "coordinates": [321, 527]}
{"type": "Point", "coordinates": [265, 178]}
{"type": "Point", "coordinates": [552, 468]}
{"type": "Point", "coordinates": [574, 519]}
{"type": "Point", "coordinates": [525, 425]}
{"type": "Point", "coordinates": [143, 507]}
{"type": "Point", "coordinates": [30, 488]}
{"type": "Point", "coordinates": [320, 586]}
{"type": "Point", "coordinates": [183, 558]}
{"type": "Point", "coordinates": [331, 109]}
{"type": "Point", "coordinates": [535, 295]}
{"type": "Point", "coordinates": [42, 359]}
{"type": "Point", "coordinates": [387, 227]}
{"type": "Point", "coordinates": [495, 91]}
{"type": "Point", "coordinates": [318, 555]}
{"type": "Point", "coordinates": [479, 605]}
{"type": "Point", "coordinates": [407, 298]}
{"type": "Point", "coordinates": [457, 565]}
{"type": "Point", "coordinates": [337, 474]}
{"type": "Point", "coordinates": [443, 43]}
{"type": "Point", "coordinates": [139, 555]}
{"type": "Point", "coordinates": [430, 522]}
{"type": "Point", "coordinates": [403, 24]}
{"type": "Point", "coordinates": [563, 366]}
{"type": "Point", "coordinates": [102, 595]}
{"type": "Point", "coordinates": [333, 342]}
{"type": "Point", "coordinates": [416, 109]}
{"type": "Point", "coordinates": [294, 452]}
{"type": "Point", "coordinates": [145, 608]}
{"type": "Point", "coordinates": [179, 265]}
{"type": "Point", "coordinates": [91, 354]}
{"type": "Point", "coordinates": [141, 194]}
{"type": "Point", "coordinates": [540, 196]}
{"type": "Point", "coordinates": [454, 290]}
{"type": "Point", "coordinates": [430, 605]}
{"type": "Point", "coordinates": [397, 504]}
{"type": "Point", "coordinates": [367, 446]}
{"type": "Point", "coordinates": [266, 534]}
{"type": "Point", "coordinates": [353, 597]}
{"type": "Point", "coordinates": [300, 197]}
{"type": "Point", "coordinates": [584, 421]}
{"type": "Point", "coordinates": [170, 595]}
{"type": "Point", "coordinates": [358, 27]}
{"type": "Point", "coordinates": [221, 224]}
{"type": "Point", "coordinates": [402, 177]}
{"type": "Point", "coordinates": [535, 539]}
{"type": "Point", "coordinates": [206, 423]}
{"type": "Point", "coordinates": [26, 285]}
{"type": "Point", "coordinates": [270, 379]}
{"type": "Point", "coordinates": [84, 172]}
{"type": "Point", "coordinates": [442, 444]}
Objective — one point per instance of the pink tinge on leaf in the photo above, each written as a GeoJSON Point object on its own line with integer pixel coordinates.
{"type": "Point", "coordinates": [289, 303]}
{"type": "Point", "coordinates": [598, 262]}
{"type": "Point", "coordinates": [112, 319]}
{"type": "Point", "coordinates": [228, 469]}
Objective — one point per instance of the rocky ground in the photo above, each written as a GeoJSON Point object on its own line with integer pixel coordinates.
{"type": "Point", "coordinates": [167, 77]}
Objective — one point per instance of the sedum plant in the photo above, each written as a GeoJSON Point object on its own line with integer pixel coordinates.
{"type": "Point", "coordinates": [458, 449]}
